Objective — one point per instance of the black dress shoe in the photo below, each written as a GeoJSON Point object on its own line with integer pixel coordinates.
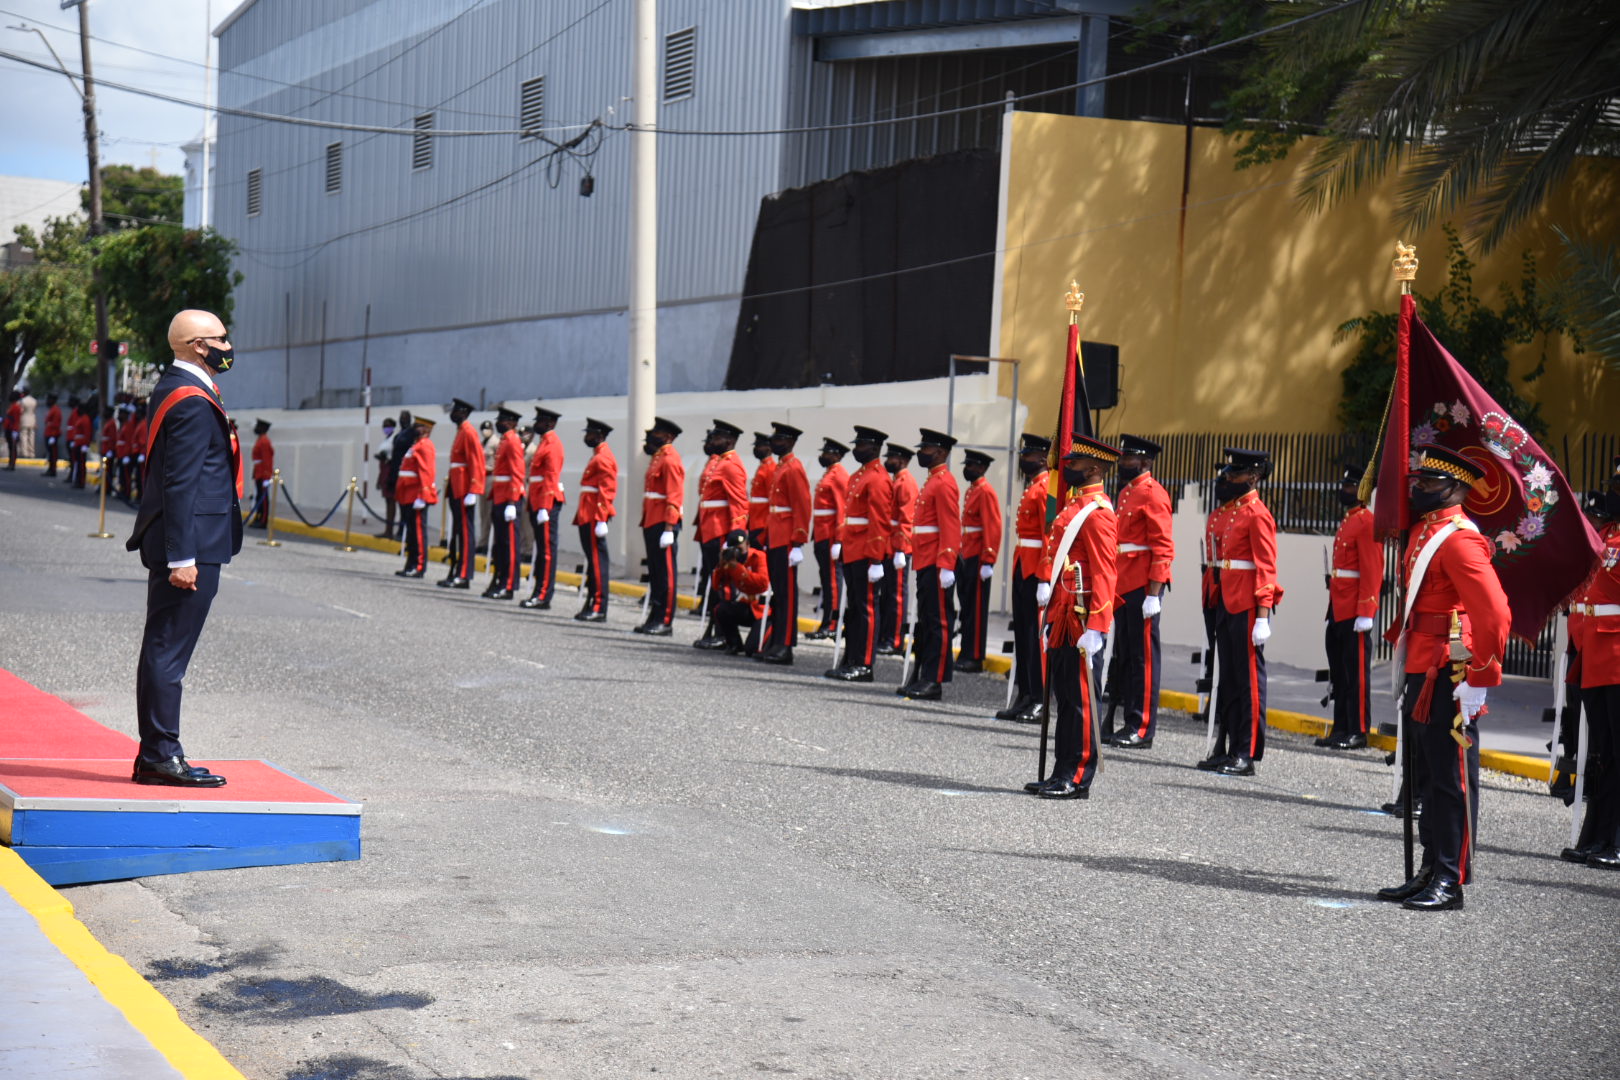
{"type": "Point", "coordinates": [410, 573]}
{"type": "Point", "coordinates": [886, 650]}
{"type": "Point", "coordinates": [1325, 741]}
{"type": "Point", "coordinates": [820, 633]}
{"type": "Point", "coordinates": [1353, 741]}
{"type": "Point", "coordinates": [175, 772]}
{"type": "Point", "coordinates": [780, 656]}
{"type": "Point", "coordinates": [1034, 785]}
{"type": "Point", "coordinates": [658, 630]}
{"type": "Point", "coordinates": [969, 666]}
{"type": "Point", "coordinates": [642, 629]}
{"type": "Point", "coordinates": [851, 673]}
{"type": "Point", "coordinates": [500, 594]}
{"type": "Point", "coordinates": [710, 643]}
{"type": "Point", "coordinates": [1608, 859]}
{"type": "Point", "coordinates": [1395, 894]}
{"type": "Point", "coordinates": [461, 583]}
{"type": "Point", "coordinates": [1133, 741]}
{"type": "Point", "coordinates": [534, 603]}
{"type": "Point", "coordinates": [1237, 766]}
{"type": "Point", "coordinates": [1396, 810]}
{"type": "Point", "coordinates": [925, 691]}
{"type": "Point", "coordinates": [1034, 714]}
{"type": "Point", "coordinates": [591, 616]}
{"type": "Point", "coordinates": [1580, 854]}
{"type": "Point", "coordinates": [1440, 894]}
{"type": "Point", "coordinates": [445, 583]}
{"type": "Point", "coordinates": [1011, 712]}
{"type": "Point", "coordinates": [1214, 762]}
{"type": "Point", "coordinates": [1062, 789]}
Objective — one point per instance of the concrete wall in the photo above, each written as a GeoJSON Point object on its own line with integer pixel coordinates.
{"type": "Point", "coordinates": [1225, 313]}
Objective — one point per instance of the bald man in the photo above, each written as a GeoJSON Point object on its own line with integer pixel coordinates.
{"type": "Point", "coordinates": [188, 526]}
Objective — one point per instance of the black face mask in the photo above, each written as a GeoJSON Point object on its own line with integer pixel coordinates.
{"type": "Point", "coordinates": [1611, 503]}
{"type": "Point", "coordinates": [1129, 470]}
{"type": "Point", "coordinates": [827, 461]}
{"type": "Point", "coordinates": [864, 454]}
{"type": "Point", "coordinates": [1427, 502]}
{"type": "Point", "coordinates": [1349, 498]}
{"type": "Point", "coordinates": [1031, 468]}
{"type": "Point", "coordinates": [893, 466]}
{"type": "Point", "coordinates": [1227, 490]}
{"type": "Point", "coordinates": [970, 473]}
{"type": "Point", "coordinates": [221, 359]}
{"type": "Point", "coordinates": [1074, 478]}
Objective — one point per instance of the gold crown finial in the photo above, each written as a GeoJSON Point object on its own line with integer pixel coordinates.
{"type": "Point", "coordinates": [1406, 262]}
{"type": "Point", "coordinates": [1074, 299]}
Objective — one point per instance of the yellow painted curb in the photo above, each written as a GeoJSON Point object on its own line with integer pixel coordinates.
{"type": "Point", "coordinates": [147, 1011]}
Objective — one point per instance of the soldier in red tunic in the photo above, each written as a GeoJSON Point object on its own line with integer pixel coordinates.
{"type": "Point", "coordinates": [1076, 589]}
{"type": "Point", "coordinates": [1242, 538]}
{"type": "Point", "coordinates": [1355, 576]}
{"type": "Point", "coordinates": [264, 468]}
{"type": "Point", "coordinates": [1595, 618]}
{"type": "Point", "coordinates": [827, 516]}
{"type": "Point", "coordinates": [53, 434]}
{"type": "Point", "coordinates": [415, 489]}
{"type": "Point", "coordinates": [981, 543]}
{"type": "Point", "coordinates": [1146, 552]}
{"type": "Point", "coordinates": [1029, 532]}
{"type": "Point", "coordinates": [545, 503]}
{"type": "Point", "coordinates": [737, 596]}
{"type": "Point", "coordinates": [598, 486]}
{"type": "Point", "coordinates": [505, 488]}
{"type": "Point", "coordinates": [759, 491]}
{"type": "Point", "coordinates": [864, 538]}
{"type": "Point", "coordinates": [937, 544]}
{"type": "Point", "coordinates": [1450, 586]}
{"type": "Point", "coordinates": [722, 500]}
{"type": "Point", "coordinates": [894, 599]}
{"type": "Point", "coordinates": [787, 532]}
{"type": "Point", "coordinates": [662, 506]}
{"type": "Point", "coordinates": [468, 473]}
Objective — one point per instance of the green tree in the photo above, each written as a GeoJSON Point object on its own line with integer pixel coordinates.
{"type": "Point", "coordinates": [132, 197]}
{"type": "Point", "coordinates": [156, 270]}
{"type": "Point", "coordinates": [1477, 335]}
{"type": "Point", "coordinates": [46, 315]}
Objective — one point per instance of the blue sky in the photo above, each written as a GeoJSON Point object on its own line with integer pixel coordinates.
{"type": "Point", "coordinates": [41, 125]}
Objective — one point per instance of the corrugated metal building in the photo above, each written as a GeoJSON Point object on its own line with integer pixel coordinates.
{"type": "Point", "coordinates": [473, 266]}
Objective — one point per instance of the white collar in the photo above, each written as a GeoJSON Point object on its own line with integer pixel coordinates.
{"type": "Point", "coordinates": [196, 371]}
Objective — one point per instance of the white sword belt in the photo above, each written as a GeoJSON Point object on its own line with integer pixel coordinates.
{"type": "Point", "coordinates": [1594, 609]}
{"type": "Point", "coordinates": [713, 504]}
{"type": "Point", "coordinates": [1346, 573]}
{"type": "Point", "coordinates": [781, 509]}
{"type": "Point", "coordinates": [972, 528]}
{"type": "Point", "coordinates": [406, 472]}
{"type": "Point", "coordinates": [855, 521]}
{"type": "Point", "coordinates": [757, 499]}
{"type": "Point", "coordinates": [458, 464]}
{"type": "Point", "coordinates": [1233, 564]}
{"type": "Point", "coordinates": [924, 530]}
{"type": "Point", "coordinates": [654, 495]}
{"type": "Point", "coordinates": [823, 513]}
{"type": "Point", "coordinates": [587, 487]}
{"type": "Point", "coordinates": [1134, 547]}
{"type": "Point", "coordinates": [503, 479]}
{"type": "Point", "coordinates": [1024, 541]}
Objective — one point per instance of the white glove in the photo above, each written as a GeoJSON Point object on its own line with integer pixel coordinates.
{"type": "Point", "coordinates": [1262, 632]}
{"type": "Point", "coordinates": [1151, 606]}
{"type": "Point", "coordinates": [795, 556]}
{"type": "Point", "coordinates": [874, 572]}
{"type": "Point", "coordinates": [510, 513]}
{"type": "Point", "coordinates": [899, 560]}
{"type": "Point", "coordinates": [601, 528]}
{"type": "Point", "coordinates": [1471, 698]}
{"type": "Point", "coordinates": [1043, 593]}
{"type": "Point", "coordinates": [1363, 624]}
{"type": "Point", "coordinates": [666, 538]}
{"type": "Point", "coordinates": [947, 578]}
{"type": "Point", "coordinates": [1091, 643]}
{"type": "Point", "coordinates": [559, 489]}
{"type": "Point", "coordinates": [837, 550]}
{"type": "Point", "coordinates": [542, 516]}
{"type": "Point", "coordinates": [124, 460]}
{"type": "Point", "coordinates": [419, 505]}
{"type": "Point", "coordinates": [469, 500]}
{"type": "Point", "coordinates": [987, 571]}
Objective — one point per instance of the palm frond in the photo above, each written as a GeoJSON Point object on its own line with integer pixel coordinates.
{"type": "Point", "coordinates": [1591, 295]}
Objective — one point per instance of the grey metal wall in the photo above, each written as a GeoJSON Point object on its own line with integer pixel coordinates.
{"type": "Point", "coordinates": [480, 251]}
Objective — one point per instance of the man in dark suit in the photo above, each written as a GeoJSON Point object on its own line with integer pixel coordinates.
{"type": "Point", "coordinates": [188, 526]}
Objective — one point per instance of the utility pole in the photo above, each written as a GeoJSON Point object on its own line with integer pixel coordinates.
{"type": "Point", "coordinates": [643, 255]}
{"type": "Point", "coordinates": [92, 146]}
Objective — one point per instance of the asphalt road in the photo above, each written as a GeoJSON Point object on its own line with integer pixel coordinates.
{"type": "Point", "coordinates": [590, 854]}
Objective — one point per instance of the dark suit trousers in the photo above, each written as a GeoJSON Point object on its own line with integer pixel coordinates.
{"type": "Point", "coordinates": [174, 621]}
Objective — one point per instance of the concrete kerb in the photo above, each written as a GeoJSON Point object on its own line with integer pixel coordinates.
{"type": "Point", "coordinates": [146, 1010]}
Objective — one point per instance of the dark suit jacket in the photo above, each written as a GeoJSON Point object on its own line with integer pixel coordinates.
{"type": "Point", "coordinates": [189, 508]}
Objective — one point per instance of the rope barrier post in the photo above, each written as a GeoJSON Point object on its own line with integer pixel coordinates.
{"type": "Point", "coordinates": [101, 532]}
{"type": "Point", "coordinates": [348, 521]}
{"type": "Point", "coordinates": [270, 521]}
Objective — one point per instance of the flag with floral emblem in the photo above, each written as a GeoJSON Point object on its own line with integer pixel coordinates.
{"type": "Point", "coordinates": [1545, 547]}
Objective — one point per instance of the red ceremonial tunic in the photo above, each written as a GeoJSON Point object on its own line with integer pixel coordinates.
{"type": "Point", "coordinates": [109, 436]}
{"type": "Point", "coordinates": [506, 485]}
{"type": "Point", "coordinates": [1358, 567]}
{"type": "Point", "coordinates": [79, 429]}
{"type": "Point", "coordinates": [1594, 616]}
{"type": "Point", "coordinates": [905, 509]}
{"type": "Point", "coordinates": [14, 416]}
{"type": "Point", "coordinates": [468, 470]}
{"type": "Point", "coordinates": [598, 486]}
{"type": "Point", "coordinates": [264, 458]}
{"type": "Point", "coordinates": [749, 581]}
{"type": "Point", "coordinates": [664, 489]}
{"type": "Point", "coordinates": [545, 473]}
{"type": "Point", "coordinates": [53, 422]}
{"type": "Point", "coordinates": [1460, 578]}
{"type": "Point", "coordinates": [418, 476]}
{"type": "Point", "coordinates": [126, 437]}
{"type": "Point", "coordinates": [1146, 549]}
{"type": "Point", "coordinates": [759, 495]}
{"type": "Point", "coordinates": [827, 504]}
{"type": "Point", "coordinates": [137, 445]}
{"type": "Point", "coordinates": [981, 523]}
{"type": "Point", "coordinates": [1030, 525]}
{"type": "Point", "coordinates": [1242, 535]}
{"type": "Point", "coordinates": [722, 496]}
{"type": "Point", "coordinates": [936, 531]}
{"type": "Point", "coordinates": [790, 504]}
{"type": "Point", "coordinates": [1088, 569]}
{"type": "Point", "coordinates": [867, 512]}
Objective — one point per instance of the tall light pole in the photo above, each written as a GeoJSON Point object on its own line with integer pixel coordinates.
{"type": "Point", "coordinates": [643, 250]}
{"type": "Point", "coordinates": [92, 147]}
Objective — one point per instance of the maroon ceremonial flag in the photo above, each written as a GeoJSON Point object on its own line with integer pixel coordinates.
{"type": "Point", "coordinates": [1545, 547]}
{"type": "Point", "coordinates": [1074, 418]}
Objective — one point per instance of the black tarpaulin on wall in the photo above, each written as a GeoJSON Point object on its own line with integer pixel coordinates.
{"type": "Point", "coordinates": [897, 315]}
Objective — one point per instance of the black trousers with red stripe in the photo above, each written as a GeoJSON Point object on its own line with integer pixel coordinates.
{"type": "Point", "coordinates": [1350, 675]}
{"type": "Point", "coordinates": [973, 597]}
{"type": "Point", "coordinates": [783, 617]}
{"type": "Point", "coordinates": [1027, 636]}
{"type": "Point", "coordinates": [1602, 787]}
{"type": "Point", "coordinates": [1074, 698]}
{"type": "Point", "coordinates": [461, 532]}
{"type": "Point", "coordinates": [503, 559]}
{"type": "Point", "coordinates": [860, 614]}
{"type": "Point", "coordinates": [1138, 656]}
{"type": "Point", "coordinates": [660, 574]}
{"type": "Point", "coordinates": [936, 620]}
{"type": "Point", "coordinates": [596, 568]}
{"type": "Point", "coordinates": [1448, 782]}
{"type": "Point", "coordinates": [708, 560]}
{"type": "Point", "coordinates": [892, 606]}
{"type": "Point", "coordinates": [544, 571]}
{"type": "Point", "coordinates": [1242, 695]}
{"type": "Point", "coordinates": [414, 526]}
{"type": "Point", "coordinates": [830, 584]}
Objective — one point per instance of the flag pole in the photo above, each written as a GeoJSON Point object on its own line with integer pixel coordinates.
{"type": "Point", "coordinates": [1398, 427]}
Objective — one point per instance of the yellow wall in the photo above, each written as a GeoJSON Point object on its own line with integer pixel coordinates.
{"type": "Point", "coordinates": [1225, 319]}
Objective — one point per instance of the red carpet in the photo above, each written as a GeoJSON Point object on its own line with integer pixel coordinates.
{"type": "Point", "coordinates": [86, 778]}
{"type": "Point", "coordinates": [34, 724]}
